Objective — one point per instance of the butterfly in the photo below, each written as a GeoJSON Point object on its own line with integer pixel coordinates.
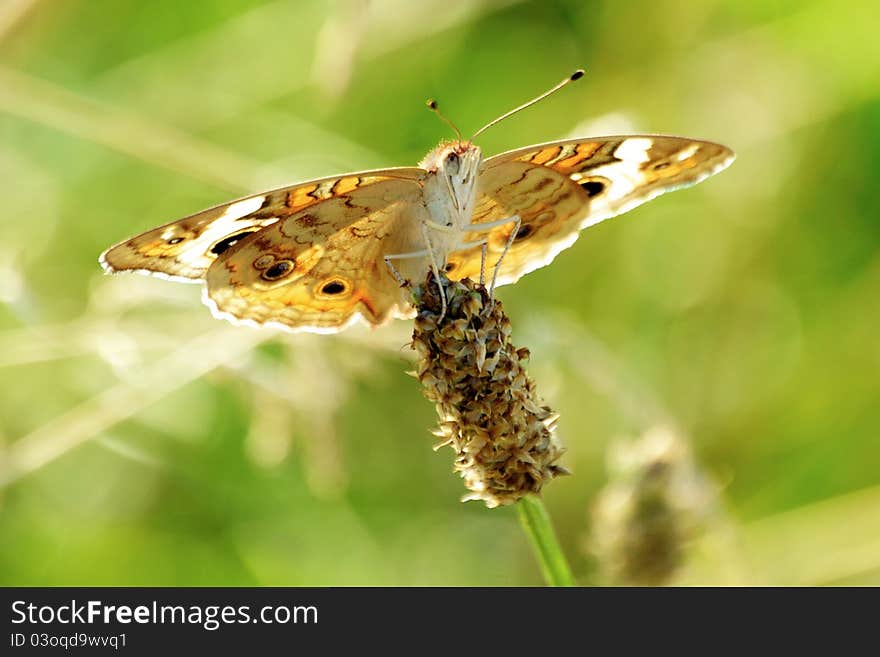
{"type": "Point", "coordinates": [321, 255]}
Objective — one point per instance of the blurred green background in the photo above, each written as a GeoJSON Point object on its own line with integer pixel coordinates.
{"type": "Point", "coordinates": [728, 331]}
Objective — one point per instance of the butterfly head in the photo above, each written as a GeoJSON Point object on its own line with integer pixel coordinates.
{"type": "Point", "coordinates": [457, 160]}
{"type": "Point", "coordinates": [454, 166]}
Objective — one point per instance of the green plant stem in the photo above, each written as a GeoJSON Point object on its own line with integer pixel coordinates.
{"type": "Point", "coordinates": [536, 523]}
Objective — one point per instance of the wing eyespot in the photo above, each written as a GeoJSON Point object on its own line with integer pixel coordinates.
{"type": "Point", "coordinates": [174, 240]}
{"type": "Point", "coordinates": [334, 287]}
{"type": "Point", "coordinates": [278, 270]}
{"type": "Point", "coordinates": [593, 186]}
{"type": "Point", "coordinates": [263, 261]}
{"type": "Point", "coordinates": [524, 231]}
{"type": "Point", "coordinates": [227, 242]}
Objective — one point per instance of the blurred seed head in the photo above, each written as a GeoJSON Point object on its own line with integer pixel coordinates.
{"type": "Point", "coordinates": [490, 414]}
{"type": "Point", "coordinates": [654, 505]}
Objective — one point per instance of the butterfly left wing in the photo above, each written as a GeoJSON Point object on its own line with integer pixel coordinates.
{"type": "Point", "coordinates": [183, 250]}
{"type": "Point", "coordinates": [322, 268]}
{"type": "Point", "coordinates": [559, 188]}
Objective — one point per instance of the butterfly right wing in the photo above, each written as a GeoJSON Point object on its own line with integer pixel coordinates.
{"type": "Point", "coordinates": [184, 249]}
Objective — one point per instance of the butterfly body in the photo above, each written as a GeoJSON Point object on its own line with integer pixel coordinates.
{"type": "Point", "coordinates": [314, 256]}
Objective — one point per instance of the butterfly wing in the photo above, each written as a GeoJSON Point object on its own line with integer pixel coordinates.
{"type": "Point", "coordinates": [559, 188]}
{"type": "Point", "coordinates": [322, 268]}
{"type": "Point", "coordinates": [184, 249]}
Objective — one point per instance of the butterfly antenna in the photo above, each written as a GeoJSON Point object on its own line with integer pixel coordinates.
{"type": "Point", "coordinates": [432, 105]}
{"type": "Point", "coordinates": [577, 75]}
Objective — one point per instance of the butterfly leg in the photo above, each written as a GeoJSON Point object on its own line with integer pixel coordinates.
{"type": "Point", "coordinates": [484, 251]}
{"type": "Point", "coordinates": [401, 281]}
{"type": "Point", "coordinates": [517, 222]}
{"type": "Point", "coordinates": [401, 256]}
{"type": "Point", "coordinates": [510, 239]}
{"type": "Point", "coordinates": [489, 225]}
{"type": "Point", "coordinates": [436, 270]}
{"type": "Point", "coordinates": [440, 227]}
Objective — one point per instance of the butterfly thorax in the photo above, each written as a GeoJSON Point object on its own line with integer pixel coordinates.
{"type": "Point", "coordinates": [451, 188]}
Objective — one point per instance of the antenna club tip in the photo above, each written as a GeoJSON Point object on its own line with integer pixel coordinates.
{"type": "Point", "coordinates": [577, 75]}
{"type": "Point", "coordinates": [431, 103]}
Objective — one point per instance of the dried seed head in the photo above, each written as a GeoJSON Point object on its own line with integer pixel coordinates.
{"type": "Point", "coordinates": [651, 510]}
{"type": "Point", "coordinates": [489, 410]}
